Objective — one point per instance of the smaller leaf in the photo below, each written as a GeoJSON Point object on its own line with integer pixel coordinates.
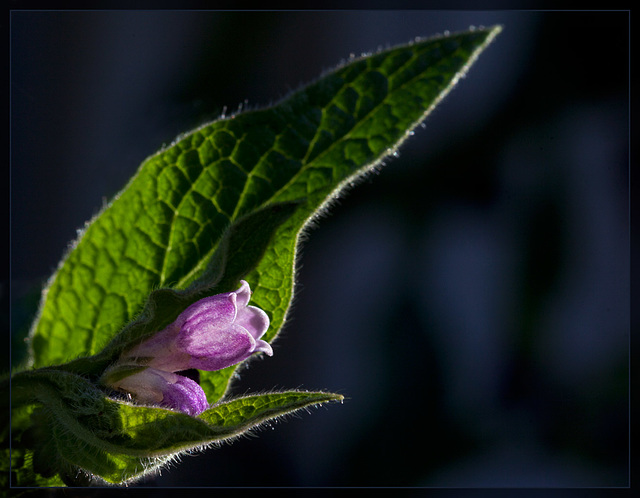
{"type": "Point", "coordinates": [241, 414]}
{"type": "Point", "coordinates": [79, 433]}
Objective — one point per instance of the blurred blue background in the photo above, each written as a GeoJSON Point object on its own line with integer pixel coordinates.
{"type": "Point", "coordinates": [471, 300]}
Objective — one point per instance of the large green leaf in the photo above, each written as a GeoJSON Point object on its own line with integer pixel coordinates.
{"type": "Point", "coordinates": [162, 230]}
{"type": "Point", "coordinates": [225, 202]}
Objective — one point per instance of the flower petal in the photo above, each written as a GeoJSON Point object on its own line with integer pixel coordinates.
{"type": "Point", "coordinates": [263, 347]}
{"type": "Point", "coordinates": [243, 294]}
{"type": "Point", "coordinates": [160, 351]}
{"type": "Point", "coordinates": [185, 395]}
{"type": "Point", "coordinates": [157, 387]}
{"type": "Point", "coordinates": [254, 320]}
{"type": "Point", "coordinates": [222, 348]}
{"type": "Point", "coordinates": [146, 386]}
{"type": "Point", "coordinates": [205, 325]}
{"type": "Point", "coordinates": [220, 308]}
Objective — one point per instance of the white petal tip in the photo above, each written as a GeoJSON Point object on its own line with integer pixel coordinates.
{"type": "Point", "coordinates": [264, 347]}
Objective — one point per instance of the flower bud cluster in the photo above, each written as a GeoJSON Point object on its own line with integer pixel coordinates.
{"type": "Point", "coordinates": [211, 334]}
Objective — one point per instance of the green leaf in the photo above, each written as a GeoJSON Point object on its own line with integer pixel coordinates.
{"type": "Point", "coordinates": [79, 433]}
{"type": "Point", "coordinates": [163, 230]}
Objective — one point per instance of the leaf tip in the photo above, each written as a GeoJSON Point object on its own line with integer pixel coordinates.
{"type": "Point", "coordinates": [494, 31]}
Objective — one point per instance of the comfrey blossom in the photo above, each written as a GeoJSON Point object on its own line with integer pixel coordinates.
{"type": "Point", "coordinates": [211, 334]}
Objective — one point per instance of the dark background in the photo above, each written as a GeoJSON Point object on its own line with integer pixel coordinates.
{"type": "Point", "coordinates": [471, 300]}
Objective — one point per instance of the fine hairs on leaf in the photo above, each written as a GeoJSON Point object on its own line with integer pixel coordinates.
{"type": "Point", "coordinates": [216, 217]}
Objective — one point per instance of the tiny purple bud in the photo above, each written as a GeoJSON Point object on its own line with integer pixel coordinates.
{"type": "Point", "coordinates": [168, 389]}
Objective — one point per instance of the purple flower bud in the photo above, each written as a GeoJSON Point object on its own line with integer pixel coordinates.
{"type": "Point", "coordinates": [211, 334]}
{"type": "Point", "coordinates": [168, 389]}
